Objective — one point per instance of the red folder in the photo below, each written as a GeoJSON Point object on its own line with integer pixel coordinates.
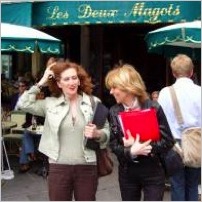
{"type": "Point", "coordinates": [143, 122]}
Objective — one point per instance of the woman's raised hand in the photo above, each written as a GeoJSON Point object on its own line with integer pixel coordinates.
{"type": "Point", "coordinates": [47, 75]}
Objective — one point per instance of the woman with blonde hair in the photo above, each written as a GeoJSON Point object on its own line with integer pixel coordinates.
{"type": "Point", "coordinates": [68, 112]}
{"type": "Point", "coordinates": [139, 164]}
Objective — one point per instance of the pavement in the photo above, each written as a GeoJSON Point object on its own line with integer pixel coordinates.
{"type": "Point", "coordinates": [32, 187]}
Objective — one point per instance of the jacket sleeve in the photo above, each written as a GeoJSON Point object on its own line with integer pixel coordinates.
{"type": "Point", "coordinates": [167, 141]}
{"type": "Point", "coordinates": [116, 135]}
{"type": "Point", "coordinates": [104, 140]}
{"type": "Point", "coordinates": [28, 103]}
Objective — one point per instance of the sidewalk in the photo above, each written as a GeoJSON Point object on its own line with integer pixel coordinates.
{"type": "Point", "coordinates": [32, 187]}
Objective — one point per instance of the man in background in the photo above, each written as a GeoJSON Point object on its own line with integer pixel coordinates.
{"type": "Point", "coordinates": [184, 184]}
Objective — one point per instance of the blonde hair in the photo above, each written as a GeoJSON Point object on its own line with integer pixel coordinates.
{"type": "Point", "coordinates": [127, 79]}
{"type": "Point", "coordinates": [182, 65]}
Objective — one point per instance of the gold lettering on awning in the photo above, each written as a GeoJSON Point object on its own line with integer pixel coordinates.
{"type": "Point", "coordinates": [86, 11]}
{"type": "Point", "coordinates": [55, 13]}
{"type": "Point", "coordinates": [153, 14]}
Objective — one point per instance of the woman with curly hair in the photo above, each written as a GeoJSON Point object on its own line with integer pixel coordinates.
{"type": "Point", "coordinates": [68, 112]}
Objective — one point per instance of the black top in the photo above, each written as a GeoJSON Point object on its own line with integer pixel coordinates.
{"type": "Point", "coordinates": [116, 143]}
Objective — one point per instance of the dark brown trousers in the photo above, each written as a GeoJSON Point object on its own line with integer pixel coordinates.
{"type": "Point", "coordinates": [68, 181]}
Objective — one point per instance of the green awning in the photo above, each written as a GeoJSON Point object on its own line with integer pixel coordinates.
{"type": "Point", "coordinates": [26, 39]}
{"type": "Point", "coordinates": [177, 38]}
{"type": "Point", "coordinates": [51, 13]}
{"type": "Point", "coordinates": [17, 13]}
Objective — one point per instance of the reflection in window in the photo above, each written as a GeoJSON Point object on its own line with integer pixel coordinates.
{"type": "Point", "coordinates": [6, 63]}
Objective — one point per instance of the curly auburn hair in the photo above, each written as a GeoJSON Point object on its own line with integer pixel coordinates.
{"type": "Point", "coordinates": [60, 66]}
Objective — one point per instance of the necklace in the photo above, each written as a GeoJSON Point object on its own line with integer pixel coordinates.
{"type": "Point", "coordinates": [73, 111]}
{"type": "Point", "coordinates": [73, 120]}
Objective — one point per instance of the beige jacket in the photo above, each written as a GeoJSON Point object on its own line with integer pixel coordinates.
{"type": "Point", "coordinates": [54, 110]}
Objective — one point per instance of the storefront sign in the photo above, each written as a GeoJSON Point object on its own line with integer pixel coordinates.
{"type": "Point", "coordinates": [52, 13]}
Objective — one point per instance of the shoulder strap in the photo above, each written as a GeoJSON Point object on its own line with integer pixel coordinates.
{"type": "Point", "coordinates": [176, 106]}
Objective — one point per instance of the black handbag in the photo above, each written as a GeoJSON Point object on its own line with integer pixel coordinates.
{"type": "Point", "coordinates": [171, 161]}
{"type": "Point", "coordinates": [92, 144]}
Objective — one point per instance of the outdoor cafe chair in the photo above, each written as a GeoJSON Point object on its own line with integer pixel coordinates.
{"type": "Point", "coordinates": [15, 135]}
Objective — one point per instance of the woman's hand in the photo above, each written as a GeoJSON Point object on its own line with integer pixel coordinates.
{"type": "Point", "coordinates": [91, 131]}
{"type": "Point", "coordinates": [128, 141]}
{"type": "Point", "coordinates": [139, 148]}
{"type": "Point", "coordinates": [47, 75]}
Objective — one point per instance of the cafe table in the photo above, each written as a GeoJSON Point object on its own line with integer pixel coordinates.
{"type": "Point", "coordinates": [36, 131]}
{"type": "Point", "coordinates": [8, 124]}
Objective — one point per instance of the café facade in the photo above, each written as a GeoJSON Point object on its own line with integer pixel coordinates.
{"type": "Point", "coordinates": [101, 34]}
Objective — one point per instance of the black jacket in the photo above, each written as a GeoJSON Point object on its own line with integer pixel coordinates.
{"type": "Point", "coordinates": [116, 143]}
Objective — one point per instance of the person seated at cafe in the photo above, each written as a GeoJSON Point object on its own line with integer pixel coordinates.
{"type": "Point", "coordinates": [30, 140]}
{"type": "Point", "coordinates": [23, 85]}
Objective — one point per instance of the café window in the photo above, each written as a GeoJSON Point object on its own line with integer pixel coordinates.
{"type": "Point", "coordinates": [6, 64]}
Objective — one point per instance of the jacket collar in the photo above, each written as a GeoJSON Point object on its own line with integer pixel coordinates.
{"type": "Point", "coordinates": [86, 99]}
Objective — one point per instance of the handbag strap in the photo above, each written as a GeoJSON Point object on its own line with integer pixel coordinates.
{"type": "Point", "coordinates": [176, 106]}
